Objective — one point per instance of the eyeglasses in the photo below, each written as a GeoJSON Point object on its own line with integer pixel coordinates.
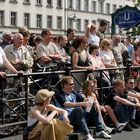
{"type": "Point", "coordinates": [131, 82]}
{"type": "Point", "coordinates": [108, 44]}
{"type": "Point", "coordinates": [71, 84]}
{"type": "Point", "coordinates": [84, 42]}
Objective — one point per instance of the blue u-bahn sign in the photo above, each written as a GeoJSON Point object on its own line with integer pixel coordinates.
{"type": "Point", "coordinates": [126, 17]}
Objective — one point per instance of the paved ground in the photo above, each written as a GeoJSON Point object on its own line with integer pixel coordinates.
{"type": "Point", "coordinates": [135, 135]}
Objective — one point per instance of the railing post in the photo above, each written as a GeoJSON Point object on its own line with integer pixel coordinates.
{"type": "Point", "coordinates": [101, 88]}
{"type": "Point", "coordinates": [26, 96]}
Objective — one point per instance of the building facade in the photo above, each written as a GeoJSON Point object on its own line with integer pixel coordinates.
{"type": "Point", "coordinates": [57, 14]}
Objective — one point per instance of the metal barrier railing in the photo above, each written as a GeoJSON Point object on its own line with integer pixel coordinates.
{"type": "Point", "coordinates": [26, 98]}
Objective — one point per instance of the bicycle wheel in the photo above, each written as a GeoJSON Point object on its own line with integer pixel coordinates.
{"type": "Point", "coordinates": [8, 131]}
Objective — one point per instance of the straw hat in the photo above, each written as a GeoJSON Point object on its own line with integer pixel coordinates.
{"type": "Point", "coordinates": [42, 95]}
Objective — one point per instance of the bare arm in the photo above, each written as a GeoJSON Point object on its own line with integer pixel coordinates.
{"type": "Point", "coordinates": [60, 111]}
{"type": "Point", "coordinates": [45, 119]}
{"type": "Point", "coordinates": [8, 65]}
{"type": "Point", "coordinates": [124, 101]}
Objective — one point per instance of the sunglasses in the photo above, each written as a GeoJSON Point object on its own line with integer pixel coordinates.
{"type": "Point", "coordinates": [84, 42]}
{"type": "Point", "coordinates": [131, 82]}
{"type": "Point", "coordinates": [107, 44]}
{"type": "Point", "coordinates": [71, 84]}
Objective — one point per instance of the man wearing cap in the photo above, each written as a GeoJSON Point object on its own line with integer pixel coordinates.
{"type": "Point", "coordinates": [42, 118]}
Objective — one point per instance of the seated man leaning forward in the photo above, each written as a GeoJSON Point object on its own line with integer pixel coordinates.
{"type": "Point", "coordinates": [43, 117]}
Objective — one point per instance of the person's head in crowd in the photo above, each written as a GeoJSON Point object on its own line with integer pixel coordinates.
{"type": "Point", "coordinates": [128, 40]}
{"type": "Point", "coordinates": [18, 40]}
{"type": "Point", "coordinates": [43, 97]}
{"type": "Point", "coordinates": [116, 39]}
{"type": "Point", "coordinates": [32, 39]}
{"type": "Point", "coordinates": [138, 82]}
{"type": "Point", "coordinates": [93, 49]}
{"type": "Point", "coordinates": [47, 35]}
{"type": "Point", "coordinates": [70, 34]}
{"type": "Point", "coordinates": [26, 37]}
{"type": "Point", "coordinates": [105, 44]}
{"type": "Point", "coordinates": [119, 86]}
{"type": "Point", "coordinates": [93, 28]}
{"type": "Point", "coordinates": [37, 40]}
{"type": "Point", "coordinates": [23, 29]}
{"type": "Point", "coordinates": [137, 47]}
{"type": "Point", "coordinates": [7, 37]}
{"type": "Point", "coordinates": [62, 40]}
{"type": "Point", "coordinates": [89, 87]}
{"type": "Point", "coordinates": [103, 25]}
{"type": "Point", "coordinates": [67, 84]}
{"type": "Point", "coordinates": [80, 42]}
{"type": "Point", "coordinates": [55, 39]}
{"type": "Point", "coordinates": [129, 83]}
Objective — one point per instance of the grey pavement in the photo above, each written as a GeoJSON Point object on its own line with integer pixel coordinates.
{"type": "Point", "coordinates": [124, 135]}
{"type": "Point", "coordinates": [134, 135]}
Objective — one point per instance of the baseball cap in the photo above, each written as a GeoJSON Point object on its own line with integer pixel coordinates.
{"type": "Point", "coordinates": [42, 95]}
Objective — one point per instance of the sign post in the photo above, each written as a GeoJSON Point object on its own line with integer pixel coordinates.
{"type": "Point", "coordinates": [126, 17]}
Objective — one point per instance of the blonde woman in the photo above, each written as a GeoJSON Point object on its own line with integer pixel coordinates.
{"type": "Point", "coordinates": [43, 117]}
{"type": "Point", "coordinates": [106, 54]}
{"type": "Point", "coordinates": [90, 93]}
{"type": "Point", "coordinates": [107, 57]}
{"type": "Point", "coordinates": [91, 35]}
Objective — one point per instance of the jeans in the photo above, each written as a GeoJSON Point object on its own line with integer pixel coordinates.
{"type": "Point", "coordinates": [77, 119]}
{"type": "Point", "coordinates": [124, 113]}
{"type": "Point", "coordinates": [96, 117]}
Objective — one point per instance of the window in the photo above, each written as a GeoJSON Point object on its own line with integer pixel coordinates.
{"type": "Point", "coordinates": [70, 4]}
{"type": "Point", "coordinates": [94, 22]}
{"type": "Point", "coordinates": [59, 22]}
{"type": "Point", "coordinates": [39, 2]}
{"type": "Point", "coordinates": [49, 21]}
{"type": "Point", "coordinates": [49, 3]}
{"type": "Point", "coordinates": [78, 4]}
{"type": "Point", "coordinates": [107, 8]}
{"type": "Point", "coordinates": [114, 8]}
{"type": "Point", "coordinates": [120, 6]}
{"type": "Point", "coordinates": [86, 5]}
{"type": "Point", "coordinates": [39, 21]}
{"type": "Point", "coordinates": [78, 24]}
{"type": "Point", "coordinates": [26, 1]}
{"type": "Point", "coordinates": [59, 3]}
{"type": "Point", "coordinates": [101, 7]}
{"type": "Point", "coordinates": [93, 6]}
{"type": "Point", "coordinates": [86, 22]}
{"type": "Point", "coordinates": [27, 19]}
{"type": "Point", "coordinates": [13, 18]}
{"type": "Point", "coordinates": [13, 1]}
{"type": "Point", "coordinates": [1, 18]}
{"type": "Point", "coordinates": [70, 23]}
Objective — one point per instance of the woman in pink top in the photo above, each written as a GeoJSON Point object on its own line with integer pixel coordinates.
{"type": "Point", "coordinates": [97, 64]}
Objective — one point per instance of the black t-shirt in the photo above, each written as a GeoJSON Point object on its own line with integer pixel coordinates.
{"type": "Point", "coordinates": [111, 102]}
{"type": "Point", "coordinates": [137, 89]}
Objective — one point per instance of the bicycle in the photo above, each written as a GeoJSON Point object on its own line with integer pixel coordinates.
{"type": "Point", "coordinates": [13, 117]}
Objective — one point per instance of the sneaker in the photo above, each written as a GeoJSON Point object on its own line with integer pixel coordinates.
{"type": "Point", "coordinates": [120, 126]}
{"type": "Point", "coordinates": [102, 134]}
{"type": "Point", "coordinates": [133, 124]}
{"type": "Point", "coordinates": [110, 130]}
{"type": "Point", "coordinates": [128, 127]}
{"type": "Point", "coordinates": [89, 137]}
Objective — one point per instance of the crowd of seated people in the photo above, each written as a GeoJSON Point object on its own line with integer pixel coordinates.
{"type": "Point", "coordinates": [91, 51]}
